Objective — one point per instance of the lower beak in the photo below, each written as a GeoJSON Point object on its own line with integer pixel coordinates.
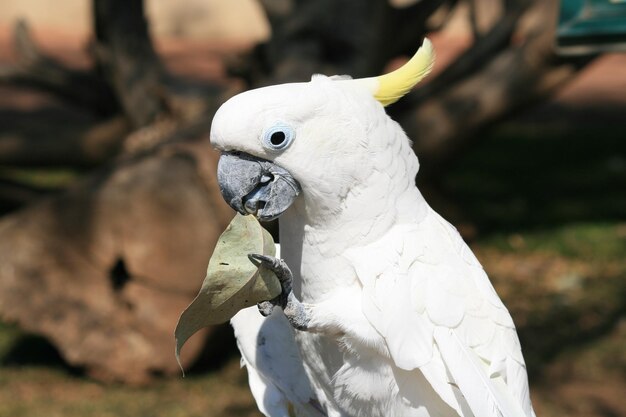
{"type": "Point", "coordinates": [255, 186]}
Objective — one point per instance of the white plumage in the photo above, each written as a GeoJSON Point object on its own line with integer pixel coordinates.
{"type": "Point", "coordinates": [403, 320]}
{"type": "Point", "coordinates": [275, 371]}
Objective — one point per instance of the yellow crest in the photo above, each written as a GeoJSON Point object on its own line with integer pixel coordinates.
{"type": "Point", "coordinates": [392, 86]}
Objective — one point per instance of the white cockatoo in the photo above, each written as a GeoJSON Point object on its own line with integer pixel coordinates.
{"type": "Point", "coordinates": [384, 311]}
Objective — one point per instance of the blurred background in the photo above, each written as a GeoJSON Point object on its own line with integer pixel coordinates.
{"type": "Point", "coordinates": [109, 208]}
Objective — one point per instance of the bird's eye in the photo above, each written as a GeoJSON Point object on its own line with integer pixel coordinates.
{"type": "Point", "coordinates": [278, 137]}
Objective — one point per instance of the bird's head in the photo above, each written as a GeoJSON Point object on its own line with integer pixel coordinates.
{"type": "Point", "coordinates": [308, 138]}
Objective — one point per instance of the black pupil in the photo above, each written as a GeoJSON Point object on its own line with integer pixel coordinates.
{"type": "Point", "coordinates": [277, 138]}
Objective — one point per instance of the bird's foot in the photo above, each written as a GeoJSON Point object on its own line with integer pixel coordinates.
{"type": "Point", "coordinates": [294, 310]}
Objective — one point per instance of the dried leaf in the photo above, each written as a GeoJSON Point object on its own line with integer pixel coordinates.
{"type": "Point", "coordinates": [232, 281]}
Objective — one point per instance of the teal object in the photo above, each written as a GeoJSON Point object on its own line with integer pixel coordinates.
{"type": "Point", "coordinates": [591, 26]}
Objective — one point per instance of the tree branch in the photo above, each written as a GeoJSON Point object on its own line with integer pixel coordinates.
{"type": "Point", "coordinates": [444, 125]}
{"type": "Point", "coordinates": [486, 47]}
{"type": "Point", "coordinates": [34, 69]}
{"type": "Point", "coordinates": [46, 138]}
{"type": "Point", "coordinates": [127, 59]}
{"type": "Point", "coordinates": [14, 194]}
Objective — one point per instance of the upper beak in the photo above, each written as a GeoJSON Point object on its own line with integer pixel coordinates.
{"type": "Point", "coordinates": [255, 186]}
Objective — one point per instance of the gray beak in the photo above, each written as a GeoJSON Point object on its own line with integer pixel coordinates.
{"type": "Point", "coordinates": [255, 186]}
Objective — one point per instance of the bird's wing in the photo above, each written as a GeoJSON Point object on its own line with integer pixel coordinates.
{"type": "Point", "coordinates": [275, 372]}
{"type": "Point", "coordinates": [427, 295]}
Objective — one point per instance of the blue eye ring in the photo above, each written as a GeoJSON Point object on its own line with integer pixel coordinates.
{"type": "Point", "coordinates": [278, 137]}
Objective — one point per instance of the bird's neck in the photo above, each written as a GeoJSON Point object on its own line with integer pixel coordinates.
{"type": "Point", "coordinates": [365, 215]}
{"type": "Point", "coordinates": [316, 232]}
{"type": "Point", "coordinates": [380, 194]}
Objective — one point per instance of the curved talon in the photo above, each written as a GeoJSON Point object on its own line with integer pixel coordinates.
{"type": "Point", "coordinates": [258, 259]}
{"type": "Point", "coordinates": [277, 266]}
{"type": "Point", "coordinates": [267, 261]}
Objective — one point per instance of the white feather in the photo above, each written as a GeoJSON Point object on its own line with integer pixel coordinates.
{"type": "Point", "coordinates": [487, 397]}
{"type": "Point", "coordinates": [275, 373]}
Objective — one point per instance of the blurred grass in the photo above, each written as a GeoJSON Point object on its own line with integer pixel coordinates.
{"type": "Point", "coordinates": [28, 391]}
{"type": "Point", "coordinates": [8, 336]}
{"type": "Point", "coordinates": [549, 206]}
{"type": "Point", "coordinates": [600, 242]}
{"type": "Point", "coordinates": [20, 186]}
{"type": "Point", "coordinates": [45, 178]}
